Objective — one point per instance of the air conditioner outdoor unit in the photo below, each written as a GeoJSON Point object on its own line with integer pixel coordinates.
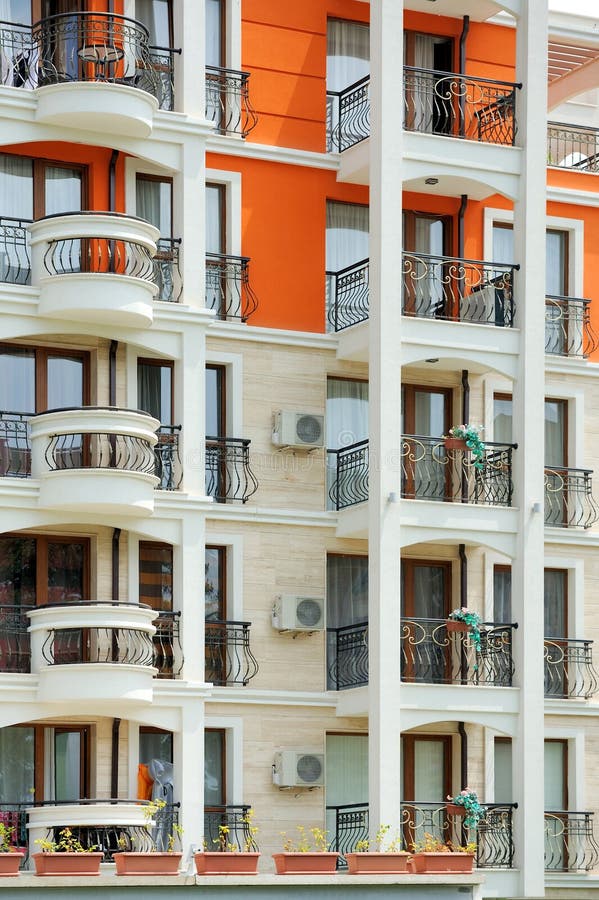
{"type": "Point", "coordinates": [298, 768]}
{"type": "Point", "coordinates": [293, 613]}
{"type": "Point", "coordinates": [298, 430]}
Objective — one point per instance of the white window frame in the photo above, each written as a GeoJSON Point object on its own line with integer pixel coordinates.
{"type": "Point", "coordinates": [233, 727]}
{"type": "Point", "coordinates": [232, 183]}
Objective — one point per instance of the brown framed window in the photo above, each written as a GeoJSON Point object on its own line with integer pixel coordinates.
{"type": "Point", "coordinates": [426, 778]}
{"type": "Point", "coordinates": [215, 583]}
{"type": "Point", "coordinates": [62, 762]}
{"type": "Point", "coordinates": [426, 417]}
{"type": "Point", "coordinates": [156, 575]}
{"type": "Point", "coordinates": [502, 594]}
{"type": "Point", "coordinates": [215, 769]}
{"type": "Point", "coordinates": [555, 583]}
{"type": "Point", "coordinates": [426, 603]}
{"type": "Point", "coordinates": [38, 570]}
{"type": "Point", "coordinates": [36, 379]}
{"type": "Point", "coordinates": [155, 763]}
{"type": "Point", "coordinates": [216, 401]}
{"type": "Point", "coordinates": [557, 846]}
{"type": "Point", "coordinates": [155, 388]}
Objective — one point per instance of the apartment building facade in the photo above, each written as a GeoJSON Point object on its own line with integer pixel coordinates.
{"type": "Point", "coordinates": [256, 260]}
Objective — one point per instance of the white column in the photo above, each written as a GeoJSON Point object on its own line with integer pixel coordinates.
{"type": "Point", "coordinates": [189, 20]}
{"type": "Point", "coordinates": [189, 588]}
{"type": "Point", "coordinates": [188, 752]}
{"type": "Point", "coordinates": [189, 218]}
{"type": "Point", "coordinates": [527, 577]}
{"type": "Point", "coordinates": [385, 412]}
{"type": "Point", "coordinates": [190, 407]}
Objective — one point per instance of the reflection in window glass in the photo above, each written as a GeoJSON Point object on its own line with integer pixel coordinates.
{"type": "Point", "coordinates": [214, 780]}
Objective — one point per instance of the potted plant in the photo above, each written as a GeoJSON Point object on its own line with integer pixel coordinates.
{"type": "Point", "coordinates": [302, 857]}
{"type": "Point", "coordinates": [154, 861]}
{"type": "Point", "coordinates": [464, 619]}
{"type": "Point", "coordinates": [10, 856]}
{"type": "Point", "coordinates": [229, 859]}
{"type": "Point", "coordinates": [466, 804]}
{"type": "Point", "coordinates": [67, 856]}
{"type": "Point", "coordinates": [467, 437]}
{"type": "Point", "coordinates": [384, 860]}
{"type": "Point", "coordinates": [431, 856]}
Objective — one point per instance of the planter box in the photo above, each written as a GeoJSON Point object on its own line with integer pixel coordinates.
{"type": "Point", "coordinates": [10, 862]}
{"type": "Point", "coordinates": [452, 443]}
{"type": "Point", "coordinates": [454, 809]}
{"type": "Point", "coordinates": [67, 863]}
{"type": "Point", "coordinates": [453, 626]}
{"type": "Point", "coordinates": [305, 863]}
{"type": "Point", "coordinates": [132, 863]}
{"type": "Point", "coordinates": [447, 863]}
{"type": "Point", "coordinates": [213, 863]}
{"type": "Point", "coordinates": [377, 863]}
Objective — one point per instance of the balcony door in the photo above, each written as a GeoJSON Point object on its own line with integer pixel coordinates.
{"type": "Point", "coordinates": [347, 237]}
{"type": "Point", "coordinates": [215, 613]}
{"type": "Point", "coordinates": [425, 602]}
{"type": "Point", "coordinates": [346, 426]}
{"type": "Point", "coordinates": [219, 287]}
{"type": "Point", "coordinates": [155, 396]}
{"type": "Point", "coordinates": [429, 104]}
{"type": "Point", "coordinates": [556, 632]}
{"type": "Point", "coordinates": [154, 203]}
{"type": "Point", "coordinates": [426, 240]}
{"type": "Point", "coordinates": [156, 591]}
{"type": "Point", "coordinates": [426, 417]}
{"type": "Point", "coordinates": [346, 790]}
{"type": "Point", "coordinates": [560, 507]}
{"type": "Point", "coordinates": [17, 778]}
{"type": "Point", "coordinates": [347, 620]}
{"type": "Point", "coordinates": [348, 61]}
{"type": "Point", "coordinates": [216, 53]}
{"type": "Point", "coordinates": [426, 782]}
{"type": "Point", "coordinates": [216, 431]}
{"type": "Point", "coordinates": [556, 804]}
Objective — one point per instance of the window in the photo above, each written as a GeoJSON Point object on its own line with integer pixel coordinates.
{"type": "Point", "coordinates": [346, 423]}
{"type": "Point", "coordinates": [426, 416]}
{"type": "Point", "coordinates": [556, 802]}
{"type": "Point", "coordinates": [156, 575]}
{"type": "Point", "coordinates": [502, 418]}
{"type": "Point", "coordinates": [346, 775]}
{"type": "Point", "coordinates": [155, 389]}
{"type": "Point", "coordinates": [215, 583]}
{"type": "Point", "coordinates": [216, 241]}
{"type": "Point", "coordinates": [348, 53]}
{"type": "Point", "coordinates": [556, 632]}
{"type": "Point", "coordinates": [502, 767]}
{"type": "Point", "coordinates": [155, 769]}
{"type": "Point", "coordinates": [346, 245]}
{"type": "Point", "coordinates": [215, 34]}
{"type": "Point", "coordinates": [502, 594]}
{"type": "Point", "coordinates": [347, 604]}
{"type": "Point", "coordinates": [156, 15]}
{"type": "Point", "coordinates": [18, 11]}
{"type": "Point", "coordinates": [35, 379]}
{"type": "Point", "coordinates": [215, 786]}
{"type": "Point", "coordinates": [425, 603]}
{"type": "Point", "coordinates": [556, 262]}
{"type": "Point", "coordinates": [35, 571]}
{"type": "Point", "coordinates": [426, 777]}
{"type": "Point", "coordinates": [429, 104]}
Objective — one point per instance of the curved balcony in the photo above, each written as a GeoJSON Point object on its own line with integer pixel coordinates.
{"type": "Point", "coordinates": [91, 70]}
{"type": "Point", "coordinates": [228, 101]}
{"type": "Point", "coordinates": [95, 267]}
{"type": "Point", "coordinates": [568, 327]}
{"type": "Point", "coordinates": [93, 652]}
{"type": "Point", "coordinates": [229, 658]}
{"type": "Point", "coordinates": [92, 459]}
{"type": "Point", "coordinates": [228, 473]}
{"type": "Point", "coordinates": [569, 501]}
{"type": "Point", "coordinates": [569, 670]}
{"type": "Point", "coordinates": [228, 289]}
{"type": "Point", "coordinates": [570, 844]}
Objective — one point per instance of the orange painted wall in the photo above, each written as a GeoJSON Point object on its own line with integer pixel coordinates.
{"type": "Point", "coordinates": [283, 231]}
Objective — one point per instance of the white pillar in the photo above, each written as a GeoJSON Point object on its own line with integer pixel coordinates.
{"type": "Point", "coordinates": [190, 406]}
{"type": "Point", "coordinates": [189, 20]}
{"type": "Point", "coordinates": [189, 587]}
{"type": "Point", "coordinates": [386, 85]}
{"type": "Point", "coordinates": [188, 751]}
{"type": "Point", "coordinates": [189, 220]}
{"type": "Point", "coordinates": [528, 418]}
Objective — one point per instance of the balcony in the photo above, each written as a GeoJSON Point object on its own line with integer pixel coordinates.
{"type": "Point", "coordinates": [15, 643]}
{"type": "Point", "coordinates": [349, 470]}
{"type": "Point", "coordinates": [429, 655]}
{"type": "Point", "coordinates": [569, 670]}
{"type": "Point", "coordinates": [94, 459]}
{"type": "Point", "coordinates": [569, 501]}
{"type": "Point", "coordinates": [91, 70]}
{"type": "Point", "coordinates": [228, 289]}
{"type": "Point", "coordinates": [233, 817]}
{"type": "Point", "coordinates": [105, 649]}
{"type": "Point", "coordinates": [348, 296]}
{"type": "Point", "coordinates": [167, 460]}
{"type": "Point", "coordinates": [229, 658]}
{"type": "Point", "coordinates": [574, 147]}
{"type": "Point", "coordinates": [570, 844]}
{"type": "Point", "coordinates": [168, 653]}
{"type": "Point", "coordinates": [229, 476]}
{"type": "Point", "coordinates": [435, 102]}
{"type": "Point", "coordinates": [167, 274]}
{"type": "Point", "coordinates": [348, 824]}
{"type": "Point", "coordinates": [228, 101]}
{"type": "Point", "coordinates": [568, 327]}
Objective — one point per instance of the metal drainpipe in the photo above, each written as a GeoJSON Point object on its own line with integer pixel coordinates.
{"type": "Point", "coordinates": [112, 373]}
{"type": "Point", "coordinates": [463, 768]}
{"type": "Point", "coordinates": [112, 202]}
{"type": "Point", "coordinates": [465, 414]}
{"type": "Point", "coordinates": [116, 536]}
{"type": "Point", "coordinates": [461, 234]}
{"type": "Point", "coordinates": [116, 723]}
{"type": "Point", "coordinates": [114, 761]}
{"type": "Point", "coordinates": [462, 64]}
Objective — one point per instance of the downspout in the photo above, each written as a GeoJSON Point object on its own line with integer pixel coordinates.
{"type": "Point", "coordinates": [116, 723]}
{"type": "Point", "coordinates": [112, 180]}
{"type": "Point", "coordinates": [461, 233]}
{"type": "Point", "coordinates": [114, 760]}
{"type": "Point", "coordinates": [462, 67]}
{"type": "Point", "coordinates": [112, 373]}
{"type": "Point", "coordinates": [465, 415]}
{"type": "Point", "coordinates": [463, 756]}
{"type": "Point", "coordinates": [116, 536]}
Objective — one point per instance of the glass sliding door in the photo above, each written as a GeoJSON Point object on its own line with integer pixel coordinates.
{"type": "Point", "coordinates": [556, 804]}
{"type": "Point", "coordinates": [346, 425]}
{"type": "Point", "coordinates": [346, 789]}
{"type": "Point", "coordinates": [348, 61]}
{"type": "Point", "coordinates": [426, 597]}
{"type": "Point", "coordinates": [154, 203]}
{"type": "Point", "coordinates": [347, 621]}
{"type": "Point", "coordinates": [346, 244]}
{"type": "Point", "coordinates": [556, 632]}
{"type": "Point", "coordinates": [425, 419]}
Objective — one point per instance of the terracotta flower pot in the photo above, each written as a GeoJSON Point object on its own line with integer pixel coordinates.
{"type": "Point", "coordinates": [452, 443]}
{"type": "Point", "coordinates": [377, 863]}
{"type": "Point", "coordinates": [454, 809]}
{"type": "Point", "coordinates": [448, 863]}
{"type": "Point", "coordinates": [305, 863]}
{"type": "Point", "coordinates": [214, 863]}
{"type": "Point", "coordinates": [132, 863]}
{"type": "Point", "coordinates": [67, 863]}
{"type": "Point", "coordinates": [10, 862]}
{"type": "Point", "coordinates": [456, 626]}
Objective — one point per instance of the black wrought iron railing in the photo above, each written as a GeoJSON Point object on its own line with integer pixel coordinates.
{"type": "Point", "coordinates": [570, 844]}
{"type": "Point", "coordinates": [168, 653]}
{"type": "Point", "coordinates": [228, 289]}
{"type": "Point", "coordinates": [574, 147]}
{"type": "Point", "coordinates": [347, 296]}
{"type": "Point", "coordinates": [14, 815]}
{"type": "Point", "coordinates": [228, 472]}
{"type": "Point", "coordinates": [460, 290]}
{"type": "Point", "coordinates": [99, 255]}
{"type": "Point", "coordinates": [100, 450]}
{"type": "Point", "coordinates": [569, 669]}
{"type": "Point", "coordinates": [167, 273]}
{"type": "Point", "coordinates": [346, 825]}
{"type": "Point", "coordinates": [453, 105]}
{"type": "Point", "coordinates": [167, 458]}
{"type": "Point", "coordinates": [15, 445]}
{"type": "Point", "coordinates": [569, 501]}
{"type": "Point", "coordinates": [236, 818]}
{"type": "Point", "coordinates": [121, 646]}
{"type": "Point", "coordinates": [15, 260]}
{"type": "Point", "coordinates": [432, 471]}
{"type": "Point", "coordinates": [228, 101]}
{"type": "Point", "coordinates": [347, 656]}
{"type": "Point", "coordinates": [348, 116]}
{"type": "Point", "coordinates": [568, 327]}
{"type": "Point", "coordinates": [229, 657]}
{"type": "Point", "coordinates": [86, 46]}
{"type": "Point", "coordinates": [349, 475]}
{"type": "Point", "coordinates": [15, 644]}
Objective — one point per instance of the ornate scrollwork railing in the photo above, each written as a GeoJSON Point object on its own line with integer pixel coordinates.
{"type": "Point", "coordinates": [346, 825]}
{"type": "Point", "coordinates": [168, 653]}
{"type": "Point", "coordinates": [167, 458]}
{"type": "Point", "coordinates": [462, 290]}
{"type": "Point", "coordinates": [348, 656]}
{"type": "Point", "coordinates": [124, 646]}
{"type": "Point", "coordinates": [430, 471]}
{"type": "Point", "coordinates": [570, 844]}
{"type": "Point", "coordinates": [167, 274]}
{"type": "Point", "coordinates": [14, 815]}
{"type": "Point", "coordinates": [568, 327]}
{"type": "Point", "coordinates": [348, 116]}
{"type": "Point", "coordinates": [347, 292]}
{"type": "Point", "coordinates": [233, 817]}
{"type": "Point", "coordinates": [573, 147]}
{"type": "Point", "coordinates": [350, 475]}
{"type": "Point", "coordinates": [15, 644]}
{"type": "Point", "coordinates": [86, 46]}
{"type": "Point", "coordinates": [569, 501]}
{"type": "Point", "coordinates": [15, 445]}
{"type": "Point", "coordinates": [99, 255]}
{"type": "Point", "coordinates": [228, 472]}
{"type": "Point", "coordinates": [97, 450]}
{"type": "Point", "coordinates": [430, 655]}
{"type": "Point", "coordinates": [229, 657]}
{"type": "Point", "coordinates": [228, 101]}
{"type": "Point", "coordinates": [228, 289]}
{"type": "Point", "coordinates": [15, 260]}
{"type": "Point", "coordinates": [569, 669]}
{"type": "Point", "coordinates": [477, 109]}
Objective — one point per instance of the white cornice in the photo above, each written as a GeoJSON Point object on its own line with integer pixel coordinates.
{"type": "Point", "coordinates": [578, 368]}
{"type": "Point", "coordinates": [230, 146]}
{"type": "Point", "coordinates": [575, 198]}
{"type": "Point", "coordinates": [252, 696]}
{"type": "Point", "coordinates": [300, 518]}
{"type": "Point", "coordinates": [571, 708]}
{"type": "Point", "coordinates": [572, 536]}
{"type": "Point", "coordinates": [239, 332]}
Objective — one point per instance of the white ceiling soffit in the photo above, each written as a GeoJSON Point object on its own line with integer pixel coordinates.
{"type": "Point", "coordinates": [571, 70]}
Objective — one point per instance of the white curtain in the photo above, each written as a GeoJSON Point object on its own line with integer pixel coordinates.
{"type": "Point", "coordinates": [16, 764]}
{"type": "Point", "coordinates": [214, 47]}
{"type": "Point", "coordinates": [17, 381]}
{"type": "Point", "coordinates": [429, 592]}
{"type": "Point", "coordinates": [502, 595]}
{"type": "Point", "coordinates": [214, 218]}
{"type": "Point", "coordinates": [153, 203]}
{"type": "Point", "coordinates": [347, 412]}
{"type": "Point", "coordinates": [429, 770]}
{"type": "Point", "coordinates": [347, 590]}
{"type": "Point", "coordinates": [17, 11]}
{"type": "Point", "coordinates": [503, 244]}
{"type": "Point", "coordinates": [555, 280]}
{"type": "Point", "coordinates": [154, 14]}
{"type": "Point", "coordinates": [62, 190]}
{"type": "Point", "coordinates": [346, 235]}
{"type": "Point", "coordinates": [16, 186]}
{"type": "Point", "coordinates": [555, 438]}
{"type": "Point", "coordinates": [502, 420]}
{"type": "Point", "coordinates": [348, 53]}
{"type": "Point", "coordinates": [555, 583]}
{"type": "Point", "coordinates": [346, 769]}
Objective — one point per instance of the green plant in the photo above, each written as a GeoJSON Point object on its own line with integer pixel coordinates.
{"type": "Point", "coordinates": [67, 843]}
{"type": "Point", "coordinates": [223, 843]}
{"type": "Point", "coordinates": [394, 846]}
{"type": "Point", "coordinates": [469, 800]}
{"type": "Point", "coordinates": [471, 434]}
{"type": "Point", "coordinates": [303, 844]}
{"type": "Point", "coordinates": [6, 835]}
{"type": "Point", "coordinates": [470, 618]}
{"type": "Point", "coordinates": [431, 844]}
